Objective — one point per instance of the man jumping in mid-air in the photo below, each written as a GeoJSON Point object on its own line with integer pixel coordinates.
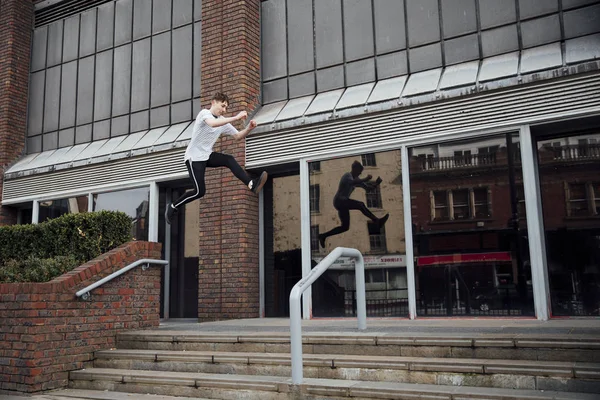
{"type": "Point", "coordinates": [343, 203]}
{"type": "Point", "coordinates": [209, 125]}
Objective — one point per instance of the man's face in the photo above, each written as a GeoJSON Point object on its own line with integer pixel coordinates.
{"type": "Point", "coordinates": [219, 107]}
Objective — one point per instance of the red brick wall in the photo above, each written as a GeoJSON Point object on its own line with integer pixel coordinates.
{"type": "Point", "coordinates": [16, 22]}
{"type": "Point", "coordinates": [46, 331]}
{"type": "Point", "coordinates": [228, 278]}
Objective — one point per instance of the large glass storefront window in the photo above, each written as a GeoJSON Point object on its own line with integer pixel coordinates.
{"type": "Point", "coordinates": [357, 202]}
{"type": "Point", "coordinates": [133, 202]}
{"type": "Point", "coordinates": [50, 209]}
{"type": "Point", "coordinates": [569, 170]}
{"type": "Point", "coordinates": [469, 228]}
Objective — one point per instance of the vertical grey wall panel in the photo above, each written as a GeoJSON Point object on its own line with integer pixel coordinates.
{"type": "Point", "coordinates": [106, 21]}
{"type": "Point", "coordinates": [302, 85]}
{"type": "Point", "coordinates": [66, 137]}
{"type": "Point", "coordinates": [55, 39]}
{"type": "Point", "coordinates": [87, 33]}
{"type": "Point", "coordinates": [300, 36]}
{"type": "Point", "coordinates": [197, 10]}
{"type": "Point", "coordinates": [102, 93]}
{"type": "Point", "coordinates": [142, 18]}
{"type": "Point", "coordinates": [493, 12]}
{"type": "Point", "coordinates": [533, 8]}
{"type": "Point", "coordinates": [52, 98]}
{"type": "Point", "coordinates": [424, 58]}
{"type": "Point", "coordinates": [566, 4]}
{"type": "Point", "coordinates": [181, 85]}
{"type": "Point", "coordinates": [123, 21]}
{"type": "Point", "coordinates": [161, 16]}
{"type": "Point", "coordinates": [119, 126]}
{"type": "Point", "coordinates": [38, 54]}
{"type": "Point", "coordinates": [50, 141]}
{"type": "Point", "coordinates": [358, 72]}
{"type": "Point", "coordinates": [459, 17]}
{"type": "Point", "coordinates": [275, 91]}
{"type": "Point", "coordinates": [68, 93]}
{"type": "Point", "coordinates": [540, 31]}
{"type": "Point", "coordinates": [330, 78]}
{"type": "Point", "coordinates": [196, 107]}
{"type": "Point", "coordinates": [328, 32]}
{"type": "Point", "coordinates": [181, 112]}
{"type": "Point", "coordinates": [358, 29]}
{"type": "Point", "coordinates": [85, 90]}
{"type": "Point", "coordinates": [582, 21]}
{"type": "Point", "coordinates": [83, 134]}
{"type": "Point", "coordinates": [101, 130]}
{"type": "Point", "coordinates": [34, 144]}
{"type": "Point", "coordinates": [121, 80]}
{"type": "Point", "coordinates": [274, 53]}
{"type": "Point", "coordinates": [140, 80]}
{"type": "Point", "coordinates": [423, 22]}
{"type": "Point", "coordinates": [390, 29]}
{"type": "Point", "coordinates": [499, 40]}
{"type": "Point", "coordinates": [182, 12]}
{"type": "Point", "coordinates": [197, 68]}
{"type": "Point", "coordinates": [465, 48]}
{"type": "Point", "coordinates": [36, 103]}
{"type": "Point", "coordinates": [159, 116]}
{"type": "Point", "coordinates": [140, 121]}
{"type": "Point", "coordinates": [71, 39]}
{"type": "Point", "coordinates": [393, 64]}
{"type": "Point", "coordinates": [160, 89]}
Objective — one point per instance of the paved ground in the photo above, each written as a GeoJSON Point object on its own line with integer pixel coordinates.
{"type": "Point", "coordinates": [565, 326]}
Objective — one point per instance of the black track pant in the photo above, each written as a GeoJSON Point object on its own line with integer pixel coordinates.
{"type": "Point", "coordinates": [197, 170]}
{"type": "Point", "coordinates": [344, 207]}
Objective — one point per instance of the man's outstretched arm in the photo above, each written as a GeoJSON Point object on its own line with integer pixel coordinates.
{"type": "Point", "coordinates": [244, 132]}
{"type": "Point", "coordinates": [217, 122]}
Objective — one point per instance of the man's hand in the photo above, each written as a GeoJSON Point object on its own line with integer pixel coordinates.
{"type": "Point", "coordinates": [252, 124]}
{"type": "Point", "coordinates": [368, 177]}
{"type": "Point", "coordinates": [241, 115]}
{"type": "Point", "coordinates": [378, 180]}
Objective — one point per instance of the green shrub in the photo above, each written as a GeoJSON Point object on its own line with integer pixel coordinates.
{"type": "Point", "coordinates": [71, 239]}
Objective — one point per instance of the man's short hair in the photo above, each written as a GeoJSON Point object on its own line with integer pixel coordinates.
{"type": "Point", "coordinates": [221, 97]}
{"type": "Point", "coordinates": [357, 165]}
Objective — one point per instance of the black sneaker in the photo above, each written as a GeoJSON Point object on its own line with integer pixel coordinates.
{"type": "Point", "coordinates": [258, 183]}
{"type": "Point", "coordinates": [169, 212]}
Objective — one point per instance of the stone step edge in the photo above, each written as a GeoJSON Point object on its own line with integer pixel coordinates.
{"type": "Point", "coordinates": [371, 340]}
{"type": "Point", "coordinates": [318, 387]}
{"type": "Point", "coordinates": [567, 369]}
{"type": "Point", "coordinates": [81, 394]}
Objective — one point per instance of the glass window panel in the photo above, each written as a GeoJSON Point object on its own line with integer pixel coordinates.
{"type": "Point", "coordinates": [474, 261]}
{"type": "Point", "coordinates": [133, 202]}
{"type": "Point", "coordinates": [352, 214]}
{"type": "Point", "coordinates": [50, 209]}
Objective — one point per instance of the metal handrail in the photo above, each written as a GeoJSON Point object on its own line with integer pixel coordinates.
{"type": "Point", "coordinates": [85, 293]}
{"type": "Point", "coordinates": [304, 283]}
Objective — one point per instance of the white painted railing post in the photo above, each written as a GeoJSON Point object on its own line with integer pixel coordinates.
{"type": "Point", "coordinates": [304, 284]}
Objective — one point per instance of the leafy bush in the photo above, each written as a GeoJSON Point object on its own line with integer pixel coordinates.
{"type": "Point", "coordinates": [71, 239]}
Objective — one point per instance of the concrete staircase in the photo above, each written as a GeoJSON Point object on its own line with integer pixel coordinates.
{"type": "Point", "coordinates": [342, 365]}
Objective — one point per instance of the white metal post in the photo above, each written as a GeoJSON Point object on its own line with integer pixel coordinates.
{"type": "Point", "coordinates": [535, 225]}
{"type": "Point", "coordinates": [304, 285]}
{"type": "Point", "coordinates": [305, 234]}
{"type": "Point", "coordinates": [261, 253]}
{"type": "Point", "coordinates": [408, 235]}
{"type": "Point", "coordinates": [90, 202]}
{"type": "Point", "coordinates": [153, 211]}
{"type": "Point", "coordinates": [35, 213]}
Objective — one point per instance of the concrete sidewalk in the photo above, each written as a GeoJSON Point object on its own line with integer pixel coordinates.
{"type": "Point", "coordinates": [398, 326]}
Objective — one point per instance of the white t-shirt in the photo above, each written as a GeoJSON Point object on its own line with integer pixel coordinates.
{"type": "Point", "coordinates": [204, 137]}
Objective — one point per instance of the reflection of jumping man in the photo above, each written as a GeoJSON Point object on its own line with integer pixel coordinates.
{"type": "Point", "coordinates": [343, 203]}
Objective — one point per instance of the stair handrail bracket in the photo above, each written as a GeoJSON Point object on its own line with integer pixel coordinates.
{"type": "Point", "coordinates": [304, 284]}
{"type": "Point", "coordinates": [85, 292]}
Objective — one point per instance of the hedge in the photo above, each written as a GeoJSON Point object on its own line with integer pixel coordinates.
{"type": "Point", "coordinates": [38, 253]}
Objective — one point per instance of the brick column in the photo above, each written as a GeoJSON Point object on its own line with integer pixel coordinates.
{"type": "Point", "coordinates": [228, 278]}
{"type": "Point", "coordinates": [16, 18]}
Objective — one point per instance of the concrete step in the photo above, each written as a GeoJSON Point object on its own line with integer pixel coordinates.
{"type": "Point", "coordinates": [71, 394]}
{"type": "Point", "coordinates": [516, 374]}
{"type": "Point", "coordinates": [584, 348]}
{"type": "Point", "coordinates": [248, 387]}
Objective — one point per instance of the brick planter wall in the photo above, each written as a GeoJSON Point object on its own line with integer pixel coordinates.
{"type": "Point", "coordinates": [46, 331]}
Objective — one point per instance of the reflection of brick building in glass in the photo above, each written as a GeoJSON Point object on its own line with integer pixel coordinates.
{"type": "Point", "coordinates": [464, 205]}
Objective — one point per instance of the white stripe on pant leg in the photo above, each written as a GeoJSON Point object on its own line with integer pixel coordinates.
{"type": "Point", "coordinates": [197, 187]}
